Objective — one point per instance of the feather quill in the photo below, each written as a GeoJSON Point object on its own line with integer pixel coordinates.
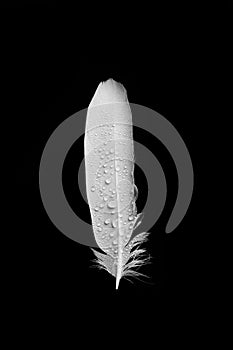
{"type": "Point", "coordinates": [110, 188]}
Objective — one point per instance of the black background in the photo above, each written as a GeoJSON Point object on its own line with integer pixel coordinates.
{"type": "Point", "coordinates": [52, 63]}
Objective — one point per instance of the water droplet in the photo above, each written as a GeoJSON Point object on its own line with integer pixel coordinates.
{"type": "Point", "coordinates": [107, 181]}
{"type": "Point", "coordinates": [96, 209]}
{"type": "Point", "coordinates": [106, 171]}
{"type": "Point", "coordinates": [118, 168]}
{"type": "Point", "coordinates": [131, 226]}
{"type": "Point", "coordinates": [114, 223]}
{"type": "Point", "coordinates": [107, 221]}
{"type": "Point", "coordinates": [105, 198]}
{"type": "Point", "coordinates": [111, 234]}
{"type": "Point", "coordinates": [93, 188]}
{"type": "Point", "coordinates": [111, 205]}
{"type": "Point", "coordinates": [131, 217]}
{"type": "Point", "coordinates": [99, 229]}
{"type": "Point", "coordinates": [114, 242]}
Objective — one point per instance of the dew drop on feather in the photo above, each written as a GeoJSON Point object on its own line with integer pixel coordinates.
{"type": "Point", "coordinates": [111, 205]}
{"type": "Point", "coordinates": [114, 223]}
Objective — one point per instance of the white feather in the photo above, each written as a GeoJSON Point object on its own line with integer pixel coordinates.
{"type": "Point", "coordinates": [109, 166]}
